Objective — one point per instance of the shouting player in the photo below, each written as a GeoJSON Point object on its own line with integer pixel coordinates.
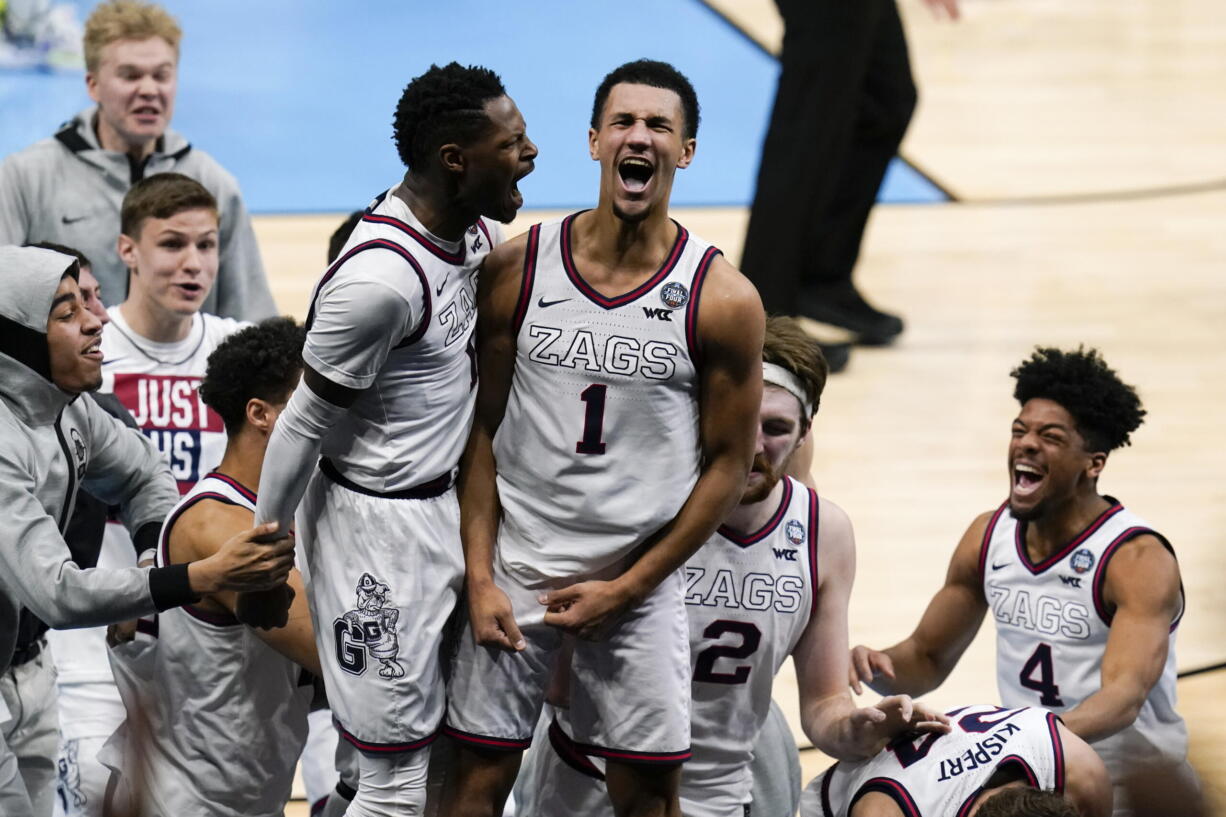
{"type": "Point", "coordinates": [387, 396]}
{"type": "Point", "coordinates": [994, 763]}
{"type": "Point", "coordinates": [773, 581]}
{"type": "Point", "coordinates": [620, 384]}
{"type": "Point", "coordinates": [1085, 595]}
{"type": "Point", "coordinates": [218, 710]}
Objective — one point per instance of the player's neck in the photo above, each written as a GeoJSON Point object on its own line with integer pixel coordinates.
{"type": "Point", "coordinates": [152, 322]}
{"type": "Point", "coordinates": [244, 458]}
{"type": "Point", "coordinates": [437, 211]}
{"type": "Point", "coordinates": [605, 241]}
{"type": "Point", "coordinates": [746, 519]}
{"type": "Point", "coordinates": [1058, 526]}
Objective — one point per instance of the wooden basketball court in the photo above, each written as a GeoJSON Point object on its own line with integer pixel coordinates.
{"type": "Point", "coordinates": [1084, 145]}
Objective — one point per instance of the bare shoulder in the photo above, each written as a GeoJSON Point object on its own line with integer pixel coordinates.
{"type": "Point", "coordinates": [834, 525]}
{"type": "Point", "coordinates": [876, 804]}
{"type": "Point", "coordinates": [507, 256]}
{"type": "Point", "coordinates": [726, 289]}
{"type": "Point", "coordinates": [836, 545]}
{"type": "Point", "coordinates": [1145, 570]}
{"type": "Point", "coordinates": [202, 529]}
{"type": "Point", "coordinates": [1087, 783]}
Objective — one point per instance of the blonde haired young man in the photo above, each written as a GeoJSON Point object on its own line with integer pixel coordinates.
{"type": "Point", "coordinates": [69, 188]}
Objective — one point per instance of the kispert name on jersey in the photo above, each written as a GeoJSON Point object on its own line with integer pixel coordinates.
{"type": "Point", "coordinates": [748, 599]}
{"type": "Point", "coordinates": [603, 408]}
{"type": "Point", "coordinates": [1052, 625]}
{"type": "Point", "coordinates": [159, 384]}
{"type": "Point", "coordinates": [417, 383]}
{"type": "Point", "coordinates": [937, 774]}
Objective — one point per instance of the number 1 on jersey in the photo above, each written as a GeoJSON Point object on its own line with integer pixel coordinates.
{"type": "Point", "coordinates": [593, 420]}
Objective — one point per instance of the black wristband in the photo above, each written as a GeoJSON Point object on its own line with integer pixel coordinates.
{"type": "Point", "coordinates": [146, 537]}
{"type": "Point", "coordinates": [170, 587]}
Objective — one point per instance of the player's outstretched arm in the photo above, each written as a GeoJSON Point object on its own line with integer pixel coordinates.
{"type": "Point", "coordinates": [357, 321]}
{"type": "Point", "coordinates": [1143, 587]}
{"type": "Point", "coordinates": [207, 529]}
{"type": "Point", "coordinates": [924, 660]}
{"type": "Point", "coordinates": [731, 325]}
{"type": "Point", "coordinates": [490, 613]}
{"type": "Point", "coordinates": [827, 713]}
{"type": "Point", "coordinates": [1087, 783]}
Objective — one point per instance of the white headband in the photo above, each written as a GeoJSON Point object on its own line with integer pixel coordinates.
{"type": "Point", "coordinates": [776, 375]}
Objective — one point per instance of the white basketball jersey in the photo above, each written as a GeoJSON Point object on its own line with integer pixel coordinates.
{"type": "Point", "coordinates": [159, 383]}
{"type": "Point", "coordinates": [411, 421]}
{"type": "Point", "coordinates": [748, 599]}
{"type": "Point", "coordinates": [226, 714]}
{"type": "Point", "coordinates": [941, 775]}
{"type": "Point", "coordinates": [599, 445]}
{"type": "Point", "coordinates": [1052, 626]}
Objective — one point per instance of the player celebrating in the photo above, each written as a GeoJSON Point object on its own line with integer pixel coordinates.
{"type": "Point", "coordinates": [621, 378]}
{"type": "Point", "coordinates": [193, 676]}
{"type": "Point", "coordinates": [773, 581]}
{"type": "Point", "coordinates": [388, 395]}
{"type": "Point", "coordinates": [1085, 595]}
{"type": "Point", "coordinates": [994, 763]}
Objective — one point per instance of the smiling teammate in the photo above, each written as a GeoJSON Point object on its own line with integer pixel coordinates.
{"type": "Point", "coordinates": [620, 385]}
{"type": "Point", "coordinates": [1085, 595]}
{"type": "Point", "coordinates": [387, 396]}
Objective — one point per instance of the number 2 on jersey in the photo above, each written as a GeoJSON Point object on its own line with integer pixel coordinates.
{"type": "Point", "coordinates": [751, 638]}
{"type": "Point", "coordinates": [593, 419]}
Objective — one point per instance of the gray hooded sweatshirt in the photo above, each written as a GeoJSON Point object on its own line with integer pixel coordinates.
{"type": "Point", "coordinates": [51, 444]}
{"type": "Point", "coordinates": [67, 189]}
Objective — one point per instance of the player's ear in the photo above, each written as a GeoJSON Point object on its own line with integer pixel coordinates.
{"type": "Point", "coordinates": [1098, 461]}
{"type": "Point", "coordinates": [451, 157]}
{"type": "Point", "coordinates": [125, 247]}
{"type": "Point", "coordinates": [593, 143]}
{"type": "Point", "coordinates": [687, 153]}
{"type": "Point", "coordinates": [261, 415]}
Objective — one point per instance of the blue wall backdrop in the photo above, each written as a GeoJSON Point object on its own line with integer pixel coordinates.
{"type": "Point", "coordinates": [296, 97]}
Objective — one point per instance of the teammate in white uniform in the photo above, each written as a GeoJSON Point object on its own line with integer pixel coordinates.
{"type": "Point", "coordinates": [992, 755]}
{"type": "Point", "coordinates": [154, 349]}
{"type": "Point", "coordinates": [218, 710]}
{"type": "Point", "coordinates": [774, 580]}
{"type": "Point", "coordinates": [1085, 596]}
{"type": "Point", "coordinates": [387, 398]}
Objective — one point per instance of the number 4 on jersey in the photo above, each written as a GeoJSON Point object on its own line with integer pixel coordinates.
{"type": "Point", "coordinates": [1045, 685]}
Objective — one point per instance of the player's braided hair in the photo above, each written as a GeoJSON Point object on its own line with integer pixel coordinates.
{"type": "Point", "coordinates": [442, 105]}
{"type": "Point", "coordinates": [657, 75]}
{"type": "Point", "coordinates": [262, 361]}
{"type": "Point", "coordinates": [1025, 802]}
{"type": "Point", "coordinates": [787, 345]}
{"type": "Point", "coordinates": [1105, 408]}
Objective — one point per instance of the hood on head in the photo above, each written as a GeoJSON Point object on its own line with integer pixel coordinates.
{"type": "Point", "coordinates": [29, 277]}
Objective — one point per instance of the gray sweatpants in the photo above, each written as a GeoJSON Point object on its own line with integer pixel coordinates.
{"type": "Point", "coordinates": [29, 739]}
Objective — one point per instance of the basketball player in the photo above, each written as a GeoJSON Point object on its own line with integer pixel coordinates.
{"type": "Point", "coordinates": [773, 581]}
{"type": "Point", "coordinates": [1085, 595]}
{"type": "Point", "coordinates": [387, 396]}
{"type": "Point", "coordinates": [154, 352]}
{"type": "Point", "coordinates": [994, 763]}
{"type": "Point", "coordinates": [224, 705]}
{"type": "Point", "coordinates": [53, 443]}
{"type": "Point", "coordinates": [621, 380]}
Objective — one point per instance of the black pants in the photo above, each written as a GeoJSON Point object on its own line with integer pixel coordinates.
{"type": "Point", "coordinates": [845, 98]}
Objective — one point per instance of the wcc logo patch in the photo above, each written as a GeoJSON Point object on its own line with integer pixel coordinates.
{"type": "Point", "coordinates": [1082, 560]}
{"type": "Point", "coordinates": [674, 295]}
{"type": "Point", "coordinates": [795, 532]}
{"type": "Point", "coordinates": [369, 632]}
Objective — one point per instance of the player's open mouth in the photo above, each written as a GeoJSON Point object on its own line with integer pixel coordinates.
{"type": "Point", "coordinates": [635, 173]}
{"type": "Point", "coordinates": [1026, 478]}
{"type": "Point", "coordinates": [93, 350]}
{"type": "Point", "coordinates": [147, 112]}
{"type": "Point", "coordinates": [189, 290]}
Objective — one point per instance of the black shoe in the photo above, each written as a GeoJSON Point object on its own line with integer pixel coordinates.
{"type": "Point", "coordinates": [837, 355]}
{"type": "Point", "coordinates": [845, 307]}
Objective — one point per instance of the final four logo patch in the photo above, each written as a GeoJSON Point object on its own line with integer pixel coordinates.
{"type": "Point", "coordinates": [674, 295]}
{"type": "Point", "coordinates": [795, 532]}
{"type": "Point", "coordinates": [1082, 560]}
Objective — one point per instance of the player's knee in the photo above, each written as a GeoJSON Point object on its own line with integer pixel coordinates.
{"type": "Point", "coordinates": [391, 786]}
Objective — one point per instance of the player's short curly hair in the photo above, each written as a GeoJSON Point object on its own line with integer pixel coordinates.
{"type": "Point", "coordinates": [262, 361]}
{"type": "Point", "coordinates": [1025, 802]}
{"type": "Point", "coordinates": [1105, 408]}
{"type": "Point", "coordinates": [789, 346]}
{"type": "Point", "coordinates": [658, 75]}
{"type": "Point", "coordinates": [443, 105]}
